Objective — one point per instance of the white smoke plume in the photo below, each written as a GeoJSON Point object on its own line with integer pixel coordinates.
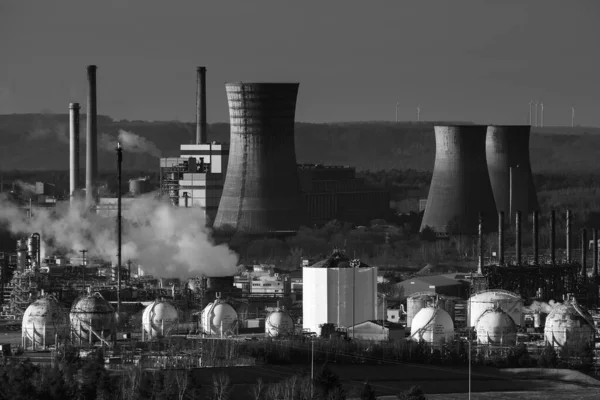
{"type": "Point", "coordinates": [130, 142]}
{"type": "Point", "coordinates": [25, 187]}
{"type": "Point", "coordinates": [55, 130]}
{"type": "Point", "coordinates": [541, 306]}
{"type": "Point", "coordinates": [167, 241]}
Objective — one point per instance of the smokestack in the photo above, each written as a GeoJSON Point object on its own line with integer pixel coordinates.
{"type": "Point", "coordinates": [595, 266]}
{"type": "Point", "coordinates": [553, 237]}
{"type": "Point", "coordinates": [535, 239]}
{"type": "Point", "coordinates": [119, 232]}
{"type": "Point", "coordinates": [568, 236]}
{"type": "Point", "coordinates": [91, 154]}
{"type": "Point", "coordinates": [584, 247]}
{"type": "Point", "coordinates": [501, 238]}
{"type": "Point", "coordinates": [518, 236]}
{"type": "Point", "coordinates": [73, 150]}
{"type": "Point", "coordinates": [201, 128]}
{"type": "Point", "coordinates": [480, 236]}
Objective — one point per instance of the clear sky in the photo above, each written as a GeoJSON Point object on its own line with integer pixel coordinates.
{"type": "Point", "coordinates": [477, 60]}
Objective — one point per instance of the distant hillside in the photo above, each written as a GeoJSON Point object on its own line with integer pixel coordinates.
{"type": "Point", "coordinates": [40, 141]}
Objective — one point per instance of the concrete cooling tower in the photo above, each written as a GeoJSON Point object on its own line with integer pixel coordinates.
{"type": "Point", "coordinates": [507, 147]}
{"type": "Point", "coordinates": [460, 187]}
{"type": "Point", "coordinates": [262, 190]}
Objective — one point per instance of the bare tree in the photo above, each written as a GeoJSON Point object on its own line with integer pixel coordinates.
{"type": "Point", "coordinates": [130, 381]}
{"type": "Point", "coordinates": [258, 389]}
{"type": "Point", "coordinates": [221, 386]}
{"type": "Point", "coordinates": [181, 378]}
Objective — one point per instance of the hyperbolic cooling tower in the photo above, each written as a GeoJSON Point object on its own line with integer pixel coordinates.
{"type": "Point", "coordinates": [460, 186]}
{"type": "Point", "coordinates": [506, 147]}
{"type": "Point", "coordinates": [262, 189]}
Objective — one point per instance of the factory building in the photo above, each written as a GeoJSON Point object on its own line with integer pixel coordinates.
{"type": "Point", "coordinates": [334, 192]}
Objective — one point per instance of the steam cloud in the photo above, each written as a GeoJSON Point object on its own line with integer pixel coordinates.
{"type": "Point", "coordinates": [541, 306]}
{"type": "Point", "coordinates": [165, 241]}
{"type": "Point", "coordinates": [130, 142]}
{"type": "Point", "coordinates": [57, 130]}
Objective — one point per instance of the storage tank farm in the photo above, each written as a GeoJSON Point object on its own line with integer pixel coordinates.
{"type": "Point", "coordinates": [262, 189]}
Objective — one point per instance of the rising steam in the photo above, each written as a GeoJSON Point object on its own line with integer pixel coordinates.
{"type": "Point", "coordinates": [541, 306]}
{"type": "Point", "coordinates": [166, 241]}
{"type": "Point", "coordinates": [130, 142]}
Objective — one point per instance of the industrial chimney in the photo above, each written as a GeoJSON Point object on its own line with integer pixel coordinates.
{"type": "Point", "coordinates": [73, 150]}
{"type": "Point", "coordinates": [201, 127]}
{"type": "Point", "coordinates": [91, 154]}
{"type": "Point", "coordinates": [460, 186]}
{"type": "Point", "coordinates": [508, 147]}
{"type": "Point", "coordinates": [262, 190]}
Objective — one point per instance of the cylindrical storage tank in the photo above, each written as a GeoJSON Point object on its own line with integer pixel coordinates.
{"type": "Point", "coordinates": [569, 325]}
{"type": "Point", "coordinates": [506, 147]}
{"type": "Point", "coordinates": [433, 325]}
{"type": "Point", "coordinates": [539, 320]}
{"type": "Point", "coordinates": [139, 186]}
{"type": "Point", "coordinates": [159, 319]}
{"type": "Point", "coordinates": [262, 189]}
{"type": "Point", "coordinates": [495, 327]}
{"type": "Point", "coordinates": [415, 303]}
{"type": "Point", "coordinates": [43, 321]}
{"type": "Point", "coordinates": [92, 316]}
{"type": "Point", "coordinates": [279, 323]}
{"type": "Point", "coordinates": [218, 318]}
{"type": "Point", "coordinates": [511, 303]}
{"type": "Point", "coordinates": [460, 186]}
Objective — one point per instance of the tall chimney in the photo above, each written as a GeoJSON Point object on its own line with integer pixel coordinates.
{"type": "Point", "coordinates": [584, 247]}
{"type": "Point", "coordinates": [518, 236]}
{"type": "Point", "coordinates": [201, 128]}
{"type": "Point", "coordinates": [91, 154]}
{"type": "Point", "coordinates": [535, 239]}
{"type": "Point", "coordinates": [595, 258]}
{"type": "Point", "coordinates": [73, 150]}
{"type": "Point", "coordinates": [568, 228]}
{"type": "Point", "coordinates": [480, 237]}
{"type": "Point", "coordinates": [553, 237]}
{"type": "Point", "coordinates": [501, 237]}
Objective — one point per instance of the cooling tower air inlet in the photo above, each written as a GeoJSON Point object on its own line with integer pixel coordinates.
{"type": "Point", "coordinates": [73, 150]}
{"type": "Point", "coordinates": [91, 154]}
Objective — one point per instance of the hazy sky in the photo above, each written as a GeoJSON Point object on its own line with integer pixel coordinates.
{"type": "Point", "coordinates": [478, 60]}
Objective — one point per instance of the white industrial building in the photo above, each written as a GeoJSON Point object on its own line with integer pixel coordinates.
{"type": "Point", "coordinates": [339, 291]}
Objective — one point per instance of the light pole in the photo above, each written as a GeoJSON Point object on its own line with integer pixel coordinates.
{"type": "Point", "coordinates": [312, 367]}
{"type": "Point", "coordinates": [397, 105]}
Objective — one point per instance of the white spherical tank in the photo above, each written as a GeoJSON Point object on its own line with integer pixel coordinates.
{"type": "Point", "coordinates": [279, 323]}
{"type": "Point", "coordinates": [495, 327]}
{"type": "Point", "coordinates": [43, 320]}
{"type": "Point", "coordinates": [218, 318]}
{"type": "Point", "coordinates": [92, 317]}
{"type": "Point", "coordinates": [511, 303]}
{"type": "Point", "coordinates": [159, 319]}
{"type": "Point", "coordinates": [569, 325]}
{"type": "Point", "coordinates": [415, 303]}
{"type": "Point", "coordinates": [433, 325]}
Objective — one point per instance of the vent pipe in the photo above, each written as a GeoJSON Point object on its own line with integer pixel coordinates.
{"type": "Point", "coordinates": [518, 236]}
{"type": "Point", "coordinates": [91, 154]}
{"type": "Point", "coordinates": [201, 127]}
{"type": "Point", "coordinates": [480, 244]}
{"type": "Point", "coordinates": [535, 239]}
{"type": "Point", "coordinates": [119, 221]}
{"type": "Point", "coordinates": [595, 258]}
{"type": "Point", "coordinates": [553, 237]}
{"type": "Point", "coordinates": [501, 237]}
{"type": "Point", "coordinates": [568, 229]}
{"type": "Point", "coordinates": [73, 150]}
{"type": "Point", "coordinates": [584, 247]}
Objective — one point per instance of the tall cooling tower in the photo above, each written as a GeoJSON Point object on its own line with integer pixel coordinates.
{"type": "Point", "coordinates": [262, 189]}
{"type": "Point", "coordinates": [508, 147]}
{"type": "Point", "coordinates": [460, 186]}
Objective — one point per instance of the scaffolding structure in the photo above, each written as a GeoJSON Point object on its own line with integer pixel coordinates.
{"type": "Point", "coordinates": [171, 172]}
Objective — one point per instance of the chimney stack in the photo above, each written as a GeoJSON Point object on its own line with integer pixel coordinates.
{"type": "Point", "coordinates": [91, 154]}
{"type": "Point", "coordinates": [553, 237]}
{"type": "Point", "coordinates": [568, 228]}
{"type": "Point", "coordinates": [73, 150]}
{"type": "Point", "coordinates": [518, 236]}
{"type": "Point", "coordinates": [201, 127]}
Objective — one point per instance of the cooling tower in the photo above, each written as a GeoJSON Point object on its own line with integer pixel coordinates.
{"type": "Point", "coordinates": [91, 154]}
{"type": "Point", "coordinates": [506, 147]}
{"type": "Point", "coordinates": [73, 150]}
{"type": "Point", "coordinates": [460, 186]}
{"type": "Point", "coordinates": [262, 190]}
{"type": "Point", "coordinates": [201, 128]}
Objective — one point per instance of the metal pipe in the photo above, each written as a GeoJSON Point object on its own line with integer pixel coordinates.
{"type": "Point", "coordinates": [535, 239]}
{"type": "Point", "coordinates": [73, 150]}
{"type": "Point", "coordinates": [501, 237]}
{"type": "Point", "coordinates": [201, 127]}
{"type": "Point", "coordinates": [584, 247]}
{"type": "Point", "coordinates": [119, 195]}
{"type": "Point", "coordinates": [480, 244]}
{"type": "Point", "coordinates": [568, 244]}
{"type": "Point", "coordinates": [553, 237]}
{"type": "Point", "coordinates": [91, 169]}
{"type": "Point", "coordinates": [595, 258]}
{"type": "Point", "coordinates": [518, 236]}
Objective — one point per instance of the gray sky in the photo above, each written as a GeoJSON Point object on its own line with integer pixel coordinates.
{"type": "Point", "coordinates": [478, 60]}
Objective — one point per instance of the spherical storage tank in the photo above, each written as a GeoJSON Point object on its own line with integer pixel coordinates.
{"type": "Point", "coordinates": [43, 320]}
{"type": "Point", "coordinates": [433, 325]}
{"type": "Point", "coordinates": [496, 327]}
{"type": "Point", "coordinates": [569, 325]}
{"type": "Point", "coordinates": [511, 303]}
{"type": "Point", "coordinates": [92, 314]}
{"type": "Point", "coordinates": [415, 303]}
{"type": "Point", "coordinates": [159, 319]}
{"type": "Point", "coordinates": [218, 318]}
{"type": "Point", "coordinates": [279, 323]}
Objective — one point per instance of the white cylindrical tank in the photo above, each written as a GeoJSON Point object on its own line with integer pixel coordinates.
{"type": "Point", "coordinates": [495, 327]}
{"type": "Point", "coordinates": [415, 303]}
{"type": "Point", "coordinates": [511, 303]}
{"type": "Point", "coordinates": [92, 317]}
{"type": "Point", "coordinates": [433, 325]}
{"type": "Point", "coordinates": [218, 318]}
{"type": "Point", "coordinates": [158, 319]}
{"type": "Point", "coordinates": [279, 323]}
{"type": "Point", "coordinates": [43, 321]}
{"type": "Point", "coordinates": [569, 325]}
